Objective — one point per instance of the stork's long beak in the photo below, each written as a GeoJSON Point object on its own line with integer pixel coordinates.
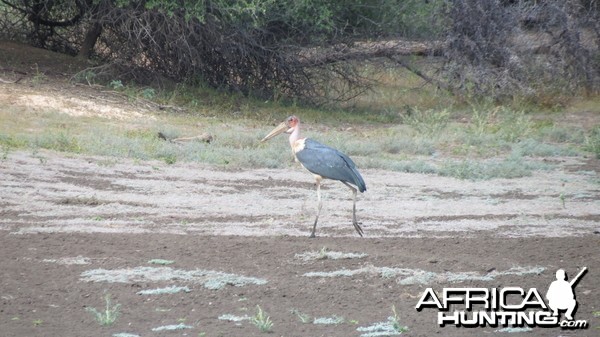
{"type": "Point", "coordinates": [281, 128]}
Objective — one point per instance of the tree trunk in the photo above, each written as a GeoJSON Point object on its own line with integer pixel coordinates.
{"type": "Point", "coordinates": [92, 35]}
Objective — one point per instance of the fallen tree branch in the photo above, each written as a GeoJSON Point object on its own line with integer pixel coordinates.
{"type": "Point", "coordinates": [10, 82]}
{"type": "Point", "coordinates": [314, 57]}
{"type": "Point", "coordinates": [438, 84]}
{"type": "Point", "coordinates": [205, 137]}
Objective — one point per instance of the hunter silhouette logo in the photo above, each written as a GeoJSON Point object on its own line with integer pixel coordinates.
{"type": "Point", "coordinates": [561, 296]}
{"type": "Point", "coordinates": [508, 306]}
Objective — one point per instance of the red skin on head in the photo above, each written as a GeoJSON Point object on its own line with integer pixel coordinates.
{"type": "Point", "coordinates": [292, 121]}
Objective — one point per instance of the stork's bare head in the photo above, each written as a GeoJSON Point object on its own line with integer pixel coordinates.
{"type": "Point", "coordinates": [286, 126]}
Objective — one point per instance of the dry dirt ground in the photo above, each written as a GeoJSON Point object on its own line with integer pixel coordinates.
{"type": "Point", "coordinates": [76, 228]}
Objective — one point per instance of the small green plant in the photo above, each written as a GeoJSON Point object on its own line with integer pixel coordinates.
{"type": "Point", "coordinates": [333, 320]}
{"type": "Point", "coordinates": [109, 315]}
{"type": "Point", "coordinates": [5, 151]}
{"type": "Point", "coordinates": [514, 126]}
{"type": "Point", "coordinates": [429, 122]}
{"type": "Point", "coordinates": [562, 199]}
{"type": "Point", "coordinates": [304, 318]}
{"type": "Point", "coordinates": [391, 327]}
{"type": "Point", "coordinates": [592, 141]}
{"type": "Point", "coordinates": [169, 159]}
{"type": "Point", "coordinates": [86, 75]}
{"type": "Point", "coordinates": [149, 93]}
{"type": "Point", "coordinates": [39, 76]}
{"type": "Point", "coordinates": [35, 153]}
{"type": "Point", "coordinates": [322, 255]}
{"type": "Point", "coordinates": [261, 320]}
{"type": "Point", "coordinates": [116, 84]}
{"type": "Point", "coordinates": [395, 321]}
{"type": "Point", "coordinates": [37, 322]}
{"type": "Point", "coordinates": [480, 121]}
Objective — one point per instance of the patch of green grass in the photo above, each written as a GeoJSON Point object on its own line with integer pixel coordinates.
{"type": "Point", "coordinates": [333, 320]}
{"type": "Point", "coordinates": [234, 318]}
{"type": "Point", "coordinates": [4, 151]}
{"type": "Point", "coordinates": [325, 253]}
{"type": "Point", "coordinates": [210, 279]}
{"type": "Point", "coordinates": [505, 123]}
{"type": "Point", "coordinates": [411, 166]}
{"type": "Point", "coordinates": [59, 141]}
{"type": "Point", "coordinates": [163, 291]}
{"type": "Point", "coordinates": [561, 134]}
{"type": "Point", "coordinates": [513, 166]}
{"type": "Point", "coordinates": [109, 315]}
{"type": "Point", "coordinates": [172, 327]}
{"type": "Point", "coordinates": [514, 126]}
{"type": "Point", "coordinates": [161, 262]}
{"type": "Point", "coordinates": [592, 141]}
{"type": "Point", "coordinates": [476, 143]}
{"type": "Point", "coordinates": [533, 148]}
{"type": "Point", "coordinates": [429, 123]}
{"type": "Point", "coordinates": [10, 141]}
{"type": "Point", "coordinates": [261, 320]}
{"type": "Point", "coordinates": [402, 144]}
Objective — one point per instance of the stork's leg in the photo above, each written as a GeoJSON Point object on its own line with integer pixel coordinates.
{"type": "Point", "coordinates": [354, 222]}
{"type": "Point", "coordinates": [320, 204]}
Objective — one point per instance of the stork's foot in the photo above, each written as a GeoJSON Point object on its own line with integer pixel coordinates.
{"type": "Point", "coordinates": [314, 229]}
{"type": "Point", "coordinates": [358, 228]}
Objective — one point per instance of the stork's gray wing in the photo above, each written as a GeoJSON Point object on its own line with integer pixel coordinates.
{"type": "Point", "coordinates": [329, 163]}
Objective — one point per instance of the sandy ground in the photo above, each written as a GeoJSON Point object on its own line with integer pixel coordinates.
{"type": "Point", "coordinates": [62, 217]}
{"type": "Point", "coordinates": [85, 195]}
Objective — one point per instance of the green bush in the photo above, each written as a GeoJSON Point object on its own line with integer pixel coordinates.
{"type": "Point", "coordinates": [592, 141]}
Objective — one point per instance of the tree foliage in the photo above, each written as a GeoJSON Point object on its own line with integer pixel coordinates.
{"type": "Point", "coordinates": [310, 49]}
{"type": "Point", "coordinates": [499, 48]}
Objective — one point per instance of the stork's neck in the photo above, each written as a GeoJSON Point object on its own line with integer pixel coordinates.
{"type": "Point", "coordinates": [295, 135]}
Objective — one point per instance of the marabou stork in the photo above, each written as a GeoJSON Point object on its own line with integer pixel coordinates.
{"type": "Point", "coordinates": [324, 162]}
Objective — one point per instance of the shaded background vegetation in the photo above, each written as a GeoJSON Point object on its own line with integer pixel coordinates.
{"type": "Point", "coordinates": [315, 51]}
